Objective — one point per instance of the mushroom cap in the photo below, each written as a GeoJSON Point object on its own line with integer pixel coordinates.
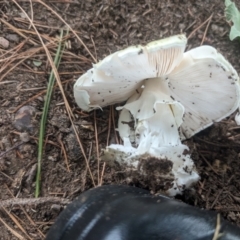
{"type": "Point", "coordinates": [207, 85]}
{"type": "Point", "coordinates": [119, 75]}
{"type": "Point", "coordinates": [204, 85]}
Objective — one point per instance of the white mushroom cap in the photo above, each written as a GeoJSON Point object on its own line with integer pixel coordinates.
{"type": "Point", "coordinates": [116, 77]}
{"type": "Point", "coordinates": [207, 85]}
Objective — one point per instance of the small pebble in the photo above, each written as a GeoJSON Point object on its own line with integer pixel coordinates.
{"type": "Point", "coordinates": [24, 137]}
{"type": "Point", "coordinates": [182, 26]}
{"type": "Point", "coordinates": [23, 119]}
{"type": "Point", "coordinates": [56, 207]}
{"type": "Point", "coordinates": [12, 37]}
{"type": "Point", "coordinates": [214, 27]}
{"type": "Point", "coordinates": [4, 43]}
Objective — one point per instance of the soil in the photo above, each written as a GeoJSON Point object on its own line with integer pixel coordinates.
{"type": "Point", "coordinates": [104, 27]}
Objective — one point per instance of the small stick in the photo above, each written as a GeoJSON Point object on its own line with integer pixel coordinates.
{"type": "Point", "coordinates": [31, 7]}
{"type": "Point", "coordinates": [215, 200]}
{"type": "Point", "coordinates": [97, 147]}
{"type": "Point", "coordinates": [109, 125]}
{"type": "Point", "coordinates": [10, 149]}
{"type": "Point", "coordinates": [114, 127]}
{"type": "Point", "coordinates": [103, 169]}
{"type": "Point", "coordinates": [64, 152]}
{"type": "Point", "coordinates": [4, 174]}
{"type": "Point", "coordinates": [94, 46]}
{"type": "Point", "coordinates": [16, 234]}
{"type": "Point", "coordinates": [190, 35]}
{"type": "Point", "coordinates": [17, 31]}
{"type": "Point", "coordinates": [32, 98]}
{"type": "Point", "coordinates": [34, 138]}
{"type": "Point", "coordinates": [206, 161]}
{"type": "Point", "coordinates": [79, 39]}
{"type": "Point", "coordinates": [217, 233]}
{"type": "Point", "coordinates": [14, 219]}
{"type": "Point", "coordinates": [205, 32]}
{"type": "Point", "coordinates": [32, 201]}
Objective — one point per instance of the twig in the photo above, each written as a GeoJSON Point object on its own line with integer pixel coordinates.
{"type": "Point", "coordinates": [94, 46]}
{"type": "Point", "coordinates": [17, 31]}
{"type": "Point", "coordinates": [16, 234]}
{"type": "Point", "coordinates": [79, 39]}
{"type": "Point", "coordinates": [32, 98]}
{"type": "Point", "coordinates": [109, 125]}
{"type": "Point", "coordinates": [97, 148]}
{"type": "Point", "coordinates": [212, 143]}
{"type": "Point", "coordinates": [17, 222]}
{"type": "Point", "coordinates": [14, 52]}
{"type": "Point", "coordinates": [191, 34]}
{"type": "Point", "coordinates": [54, 69]}
{"type": "Point", "coordinates": [217, 233]}
{"type": "Point", "coordinates": [10, 149]}
{"type": "Point", "coordinates": [64, 152]}
{"type": "Point", "coordinates": [215, 200]}
{"type": "Point", "coordinates": [34, 138]}
{"type": "Point", "coordinates": [4, 174]}
{"type": "Point", "coordinates": [103, 169]}
{"type": "Point", "coordinates": [205, 32]}
{"type": "Point", "coordinates": [206, 161]}
{"type": "Point", "coordinates": [31, 7]}
{"type": "Point", "coordinates": [32, 201]}
{"type": "Point", "coordinates": [114, 127]}
{"type": "Point", "coordinates": [23, 58]}
{"type": "Point", "coordinates": [6, 82]}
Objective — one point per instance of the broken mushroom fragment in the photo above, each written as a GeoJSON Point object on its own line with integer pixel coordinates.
{"type": "Point", "coordinates": [171, 96]}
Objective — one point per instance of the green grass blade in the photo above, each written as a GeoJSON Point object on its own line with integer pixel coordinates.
{"type": "Point", "coordinates": [51, 82]}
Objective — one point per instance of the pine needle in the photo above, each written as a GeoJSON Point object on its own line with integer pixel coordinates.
{"type": "Point", "coordinates": [45, 113]}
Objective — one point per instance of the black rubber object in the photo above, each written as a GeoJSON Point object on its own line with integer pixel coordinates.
{"type": "Point", "coordinates": [128, 213]}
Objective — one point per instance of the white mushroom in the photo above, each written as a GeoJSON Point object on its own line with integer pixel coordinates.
{"type": "Point", "coordinates": [172, 96]}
